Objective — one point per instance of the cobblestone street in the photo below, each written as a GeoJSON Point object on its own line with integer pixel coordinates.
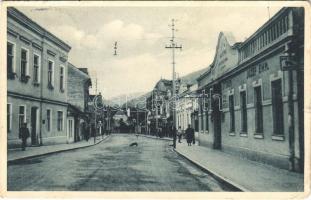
{"type": "Point", "coordinates": [112, 166]}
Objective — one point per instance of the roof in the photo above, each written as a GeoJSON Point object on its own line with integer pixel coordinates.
{"type": "Point", "coordinates": [85, 75]}
{"type": "Point", "coordinates": [230, 37]}
{"type": "Point", "coordinates": [84, 70]}
{"type": "Point", "coordinates": [279, 13]}
{"type": "Point", "coordinates": [28, 23]}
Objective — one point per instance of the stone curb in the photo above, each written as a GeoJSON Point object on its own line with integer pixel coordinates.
{"type": "Point", "coordinates": [214, 174]}
{"type": "Point", "coordinates": [52, 152]}
{"type": "Point", "coordinates": [168, 139]}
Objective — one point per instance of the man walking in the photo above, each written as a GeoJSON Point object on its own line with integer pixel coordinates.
{"type": "Point", "coordinates": [189, 135]}
{"type": "Point", "coordinates": [179, 134]}
{"type": "Point", "coordinates": [24, 134]}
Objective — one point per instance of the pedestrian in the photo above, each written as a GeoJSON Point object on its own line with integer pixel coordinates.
{"type": "Point", "coordinates": [189, 135]}
{"type": "Point", "coordinates": [179, 134]}
{"type": "Point", "coordinates": [174, 133]}
{"type": "Point", "coordinates": [24, 134]}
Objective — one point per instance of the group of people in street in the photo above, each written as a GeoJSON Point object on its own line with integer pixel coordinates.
{"type": "Point", "coordinates": [189, 135]}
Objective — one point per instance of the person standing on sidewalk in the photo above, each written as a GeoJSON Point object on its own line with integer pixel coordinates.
{"type": "Point", "coordinates": [24, 134]}
{"type": "Point", "coordinates": [189, 135]}
{"type": "Point", "coordinates": [174, 133]}
{"type": "Point", "coordinates": [179, 134]}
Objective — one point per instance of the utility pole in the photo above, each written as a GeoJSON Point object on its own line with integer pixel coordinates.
{"type": "Point", "coordinates": [173, 45]}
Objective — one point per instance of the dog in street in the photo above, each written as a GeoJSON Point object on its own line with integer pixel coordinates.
{"type": "Point", "coordinates": [134, 144]}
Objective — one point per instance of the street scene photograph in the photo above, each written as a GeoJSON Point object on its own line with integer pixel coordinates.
{"type": "Point", "coordinates": [155, 98]}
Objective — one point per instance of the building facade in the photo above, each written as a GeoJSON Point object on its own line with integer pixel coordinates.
{"type": "Point", "coordinates": [254, 94]}
{"type": "Point", "coordinates": [159, 105]}
{"type": "Point", "coordinates": [187, 107]}
{"type": "Point", "coordinates": [79, 83]}
{"type": "Point", "coordinates": [36, 81]}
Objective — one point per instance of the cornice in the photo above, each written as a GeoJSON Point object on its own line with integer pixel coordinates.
{"type": "Point", "coordinates": [26, 22]}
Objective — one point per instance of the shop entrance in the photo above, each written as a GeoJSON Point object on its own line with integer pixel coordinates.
{"type": "Point", "coordinates": [216, 104]}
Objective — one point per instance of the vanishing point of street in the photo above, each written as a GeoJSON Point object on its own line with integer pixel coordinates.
{"type": "Point", "coordinates": [112, 165]}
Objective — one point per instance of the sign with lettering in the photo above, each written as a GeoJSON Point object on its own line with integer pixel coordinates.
{"type": "Point", "coordinates": [257, 69]}
{"type": "Point", "coordinates": [226, 57]}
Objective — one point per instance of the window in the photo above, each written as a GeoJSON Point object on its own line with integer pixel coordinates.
{"type": "Point", "coordinates": [60, 120]}
{"type": "Point", "coordinates": [202, 121]}
{"type": "Point", "coordinates": [61, 79]}
{"type": "Point", "coordinates": [279, 28]}
{"type": "Point", "coordinates": [206, 114]}
{"type": "Point", "coordinates": [24, 65]}
{"type": "Point", "coordinates": [50, 74]}
{"type": "Point", "coordinates": [282, 25]}
{"type": "Point", "coordinates": [21, 115]}
{"type": "Point", "coordinates": [36, 72]}
{"type": "Point", "coordinates": [258, 110]}
{"type": "Point", "coordinates": [158, 110]}
{"type": "Point", "coordinates": [10, 60]}
{"type": "Point", "coordinates": [286, 23]}
{"type": "Point", "coordinates": [232, 115]}
{"type": "Point", "coordinates": [277, 107]}
{"type": "Point", "coordinates": [243, 112]}
{"type": "Point", "coordinates": [70, 127]}
{"type": "Point", "coordinates": [48, 120]}
{"type": "Point", "coordinates": [9, 117]}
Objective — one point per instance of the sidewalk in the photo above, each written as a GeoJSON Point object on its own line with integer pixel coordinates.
{"type": "Point", "coordinates": [244, 174]}
{"type": "Point", "coordinates": [17, 154]}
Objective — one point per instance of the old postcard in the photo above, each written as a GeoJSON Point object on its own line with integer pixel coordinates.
{"type": "Point", "coordinates": [165, 100]}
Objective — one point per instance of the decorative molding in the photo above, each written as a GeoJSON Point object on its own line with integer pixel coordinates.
{"type": "Point", "coordinates": [63, 58]}
{"type": "Point", "coordinates": [26, 22]}
{"type": "Point", "coordinates": [242, 87]}
{"type": "Point", "coordinates": [257, 83]}
{"type": "Point", "coordinates": [250, 105]}
{"type": "Point", "coordinates": [243, 135]}
{"type": "Point", "coordinates": [278, 137]}
{"type": "Point", "coordinates": [25, 40]}
{"type": "Point", "coordinates": [275, 76]}
{"type": "Point", "coordinates": [266, 102]}
{"type": "Point", "coordinates": [37, 46]}
{"type": "Point", "coordinates": [258, 136]}
{"type": "Point", "coordinates": [51, 53]}
{"type": "Point", "coordinates": [32, 98]}
{"type": "Point", "coordinates": [12, 33]}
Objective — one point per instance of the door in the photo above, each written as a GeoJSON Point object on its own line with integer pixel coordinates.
{"type": "Point", "coordinates": [70, 130]}
{"type": "Point", "coordinates": [216, 115]}
{"type": "Point", "coordinates": [34, 125]}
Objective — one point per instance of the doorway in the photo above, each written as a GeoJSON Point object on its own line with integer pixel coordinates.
{"type": "Point", "coordinates": [217, 116]}
{"type": "Point", "coordinates": [34, 123]}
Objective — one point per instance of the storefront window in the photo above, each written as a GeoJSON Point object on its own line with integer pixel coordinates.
{"type": "Point", "coordinates": [243, 112]}
{"type": "Point", "coordinates": [277, 107]}
{"type": "Point", "coordinates": [232, 115]}
{"type": "Point", "coordinates": [258, 110]}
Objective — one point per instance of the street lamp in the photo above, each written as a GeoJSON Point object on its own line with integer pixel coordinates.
{"type": "Point", "coordinates": [217, 97]}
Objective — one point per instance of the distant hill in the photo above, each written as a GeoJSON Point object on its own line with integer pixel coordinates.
{"type": "Point", "coordinates": [121, 99]}
{"type": "Point", "coordinates": [140, 101]}
{"type": "Point", "coordinates": [139, 98]}
{"type": "Point", "coordinates": [191, 78]}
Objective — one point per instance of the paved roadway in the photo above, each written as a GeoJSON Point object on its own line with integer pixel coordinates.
{"type": "Point", "coordinates": [112, 166]}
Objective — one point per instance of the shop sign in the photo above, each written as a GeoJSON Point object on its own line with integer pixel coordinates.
{"type": "Point", "coordinates": [257, 69]}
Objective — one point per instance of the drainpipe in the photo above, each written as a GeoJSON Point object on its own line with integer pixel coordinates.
{"type": "Point", "coordinates": [292, 52]}
{"type": "Point", "coordinates": [41, 88]}
{"type": "Point", "coordinates": [291, 131]}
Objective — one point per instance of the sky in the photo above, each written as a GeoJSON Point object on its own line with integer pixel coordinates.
{"type": "Point", "coordinates": [142, 33]}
